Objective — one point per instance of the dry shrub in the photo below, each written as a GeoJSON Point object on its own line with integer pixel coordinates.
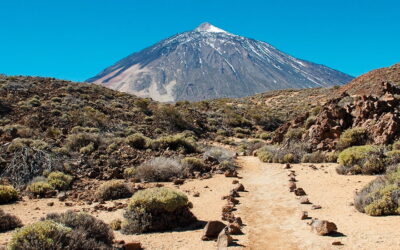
{"type": "Point", "coordinates": [8, 221]}
{"type": "Point", "coordinates": [7, 194]}
{"type": "Point", "coordinates": [160, 169]}
{"type": "Point", "coordinates": [114, 189]}
{"type": "Point", "coordinates": [218, 155]}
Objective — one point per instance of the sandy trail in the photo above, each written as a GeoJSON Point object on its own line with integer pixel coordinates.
{"type": "Point", "coordinates": [273, 213]}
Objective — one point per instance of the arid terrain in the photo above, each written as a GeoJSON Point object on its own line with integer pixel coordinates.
{"type": "Point", "coordinates": [270, 212]}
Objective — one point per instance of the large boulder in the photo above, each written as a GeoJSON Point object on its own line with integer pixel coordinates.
{"type": "Point", "coordinates": [212, 229]}
{"type": "Point", "coordinates": [323, 227]}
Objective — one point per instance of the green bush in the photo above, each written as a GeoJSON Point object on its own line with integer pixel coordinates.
{"type": "Point", "coordinates": [114, 189]}
{"type": "Point", "coordinates": [7, 194]}
{"type": "Point", "coordinates": [40, 235]}
{"type": "Point", "coordinates": [129, 172]}
{"type": "Point", "coordinates": [265, 156]}
{"type": "Point", "coordinates": [331, 156]}
{"type": "Point", "coordinates": [295, 134]}
{"type": "Point", "coordinates": [91, 227]}
{"type": "Point", "coordinates": [8, 221]}
{"type": "Point", "coordinates": [40, 188]}
{"type": "Point", "coordinates": [158, 199]}
{"type": "Point", "coordinates": [157, 209]}
{"type": "Point", "coordinates": [314, 157]}
{"type": "Point", "coordinates": [60, 181]}
{"type": "Point", "coordinates": [137, 141]}
{"type": "Point", "coordinates": [381, 196]}
{"type": "Point", "coordinates": [266, 136]}
{"type": "Point", "coordinates": [175, 142]}
{"type": "Point", "coordinates": [20, 143]}
{"type": "Point", "coordinates": [352, 137]}
{"type": "Point", "coordinates": [365, 159]}
{"type": "Point", "coordinates": [288, 158]}
{"type": "Point", "coordinates": [310, 121]}
{"type": "Point", "coordinates": [75, 142]}
{"type": "Point", "coordinates": [193, 164]}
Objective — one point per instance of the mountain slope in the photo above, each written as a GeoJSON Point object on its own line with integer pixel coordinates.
{"type": "Point", "coordinates": [210, 63]}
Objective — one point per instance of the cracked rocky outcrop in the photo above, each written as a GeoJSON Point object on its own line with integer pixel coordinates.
{"type": "Point", "coordinates": [379, 115]}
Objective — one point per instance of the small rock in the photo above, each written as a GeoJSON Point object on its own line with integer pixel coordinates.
{"type": "Point", "coordinates": [304, 200]}
{"type": "Point", "coordinates": [239, 221]}
{"type": "Point", "coordinates": [134, 245]}
{"type": "Point", "coordinates": [313, 167]}
{"type": "Point", "coordinates": [304, 215]}
{"type": "Point", "coordinates": [227, 208]}
{"type": "Point", "coordinates": [62, 196]}
{"type": "Point", "coordinates": [212, 229]}
{"type": "Point", "coordinates": [239, 187]}
{"type": "Point", "coordinates": [235, 181]}
{"type": "Point", "coordinates": [178, 181]}
{"type": "Point", "coordinates": [314, 207]}
{"type": "Point", "coordinates": [323, 227]}
{"type": "Point", "coordinates": [292, 179]}
{"type": "Point", "coordinates": [50, 204]}
{"type": "Point", "coordinates": [224, 239]}
{"type": "Point", "coordinates": [233, 200]}
{"type": "Point", "coordinates": [292, 186]}
{"type": "Point", "coordinates": [337, 243]}
{"type": "Point", "coordinates": [234, 193]}
{"type": "Point", "coordinates": [234, 228]}
{"type": "Point", "coordinates": [68, 204]}
{"type": "Point", "coordinates": [231, 173]}
{"type": "Point", "coordinates": [196, 194]}
{"type": "Point", "coordinates": [351, 204]}
{"type": "Point", "coordinates": [299, 192]}
{"type": "Point", "coordinates": [287, 166]}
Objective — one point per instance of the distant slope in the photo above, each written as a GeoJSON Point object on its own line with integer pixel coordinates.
{"type": "Point", "coordinates": [370, 83]}
{"type": "Point", "coordinates": [208, 63]}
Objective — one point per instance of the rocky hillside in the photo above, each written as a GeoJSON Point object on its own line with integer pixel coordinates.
{"type": "Point", "coordinates": [208, 63]}
{"type": "Point", "coordinates": [371, 112]}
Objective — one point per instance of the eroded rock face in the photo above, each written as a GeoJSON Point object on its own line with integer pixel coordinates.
{"type": "Point", "coordinates": [380, 116]}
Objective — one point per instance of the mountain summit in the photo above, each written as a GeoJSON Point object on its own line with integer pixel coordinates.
{"type": "Point", "coordinates": [209, 62]}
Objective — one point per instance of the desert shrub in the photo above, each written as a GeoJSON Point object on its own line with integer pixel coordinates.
{"type": "Point", "coordinates": [20, 143]}
{"type": "Point", "coordinates": [393, 156]}
{"type": "Point", "coordinates": [222, 132]}
{"type": "Point", "coordinates": [235, 120]}
{"type": "Point", "coordinates": [129, 172]}
{"type": "Point", "coordinates": [114, 189]}
{"type": "Point", "coordinates": [75, 142]}
{"type": "Point", "coordinates": [288, 158]}
{"type": "Point", "coordinates": [265, 156]}
{"type": "Point", "coordinates": [53, 133]}
{"type": "Point", "coordinates": [249, 147]}
{"type": "Point", "coordinates": [40, 188]}
{"type": "Point", "coordinates": [142, 104]}
{"type": "Point", "coordinates": [310, 121]}
{"type": "Point", "coordinates": [266, 136]}
{"type": "Point", "coordinates": [227, 165]}
{"type": "Point", "coordinates": [116, 224]}
{"type": "Point", "coordinates": [40, 235]}
{"type": "Point", "coordinates": [79, 129]}
{"type": "Point", "coordinates": [7, 194]}
{"type": "Point", "coordinates": [34, 102]}
{"type": "Point", "coordinates": [396, 145]}
{"type": "Point", "coordinates": [60, 181]}
{"type": "Point", "coordinates": [137, 141]}
{"type": "Point", "coordinates": [92, 227]}
{"type": "Point", "coordinates": [156, 209]}
{"type": "Point", "coordinates": [174, 142]}
{"type": "Point", "coordinates": [160, 169]}
{"type": "Point", "coordinates": [193, 164]}
{"type": "Point", "coordinates": [294, 134]}
{"type": "Point", "coordinates": [352, 137]}
{"type": "Point", "coordinates": [17, 130]}
{"type": "Point", "coordinates": [381, 196]}
{"type": "Point", "coordinates": [8, 221]}
{"type": "Point", "coordinates": [292, 153]}
{"type": "Point", "coordinates": [331, 156]}
{"type": "Point", "coordinates": [365, 159]}
{"type": "Point", "coordinates": [171, 117]}
{"type": "Point", "coordinates": [244, 131]}
{"type": "Point", "coordinates": [218, 154]}
{"type": "Point", "coordinates": [314, 157]}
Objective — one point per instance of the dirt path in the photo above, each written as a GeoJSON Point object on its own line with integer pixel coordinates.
{"type": "Point", "coordinates": [273, 213]}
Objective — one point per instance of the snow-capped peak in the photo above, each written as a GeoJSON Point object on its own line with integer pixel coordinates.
{"type": "Point", "coordinates": [207, 27]}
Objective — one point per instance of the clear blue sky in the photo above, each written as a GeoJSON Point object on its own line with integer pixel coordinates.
{"type": "Point", "coordinates": [75, 39]}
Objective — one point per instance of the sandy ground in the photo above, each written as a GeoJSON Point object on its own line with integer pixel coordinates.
{"type": "Point", "coordinates": [270, 212]}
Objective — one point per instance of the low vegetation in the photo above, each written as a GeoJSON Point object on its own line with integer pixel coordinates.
{"type": "Point", "coordinates": [381, 196]}
{"type": "Point", "coordinates": [7, 194]}
{"type": "Point", "coordinates": [8, 221]}
{"type": "Point", "coordinates": [114, 189]}
{"type": "Point", "coordinates": [365, 159]}
{"type": "Point", "coordinates": [156, 209]}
